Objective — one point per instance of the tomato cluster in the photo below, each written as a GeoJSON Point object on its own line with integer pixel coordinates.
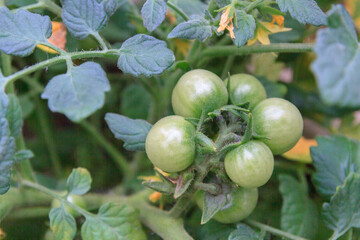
{"type": "Point", "coordinates": [276, 126]}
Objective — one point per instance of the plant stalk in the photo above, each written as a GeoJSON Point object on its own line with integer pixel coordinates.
{"type": "Point", "coordinates": [178, 11]}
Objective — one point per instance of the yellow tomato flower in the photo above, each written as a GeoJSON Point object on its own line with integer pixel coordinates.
{"type": "Point", "coordinates": [278, 19]}
{"type": "Point", "coordinates": [226, 21]}
{"type": "Point", "coordinates": [58, 38]}
{"type": "Point", "coordinates": [263, 32]}
{"type": "Point", "coordinates": [301, 151]}
{"type": "Point", "coordinates": [155, 196]}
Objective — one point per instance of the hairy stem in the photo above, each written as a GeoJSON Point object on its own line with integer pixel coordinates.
{"type": "Point", "coordinates": [253, 5]}
{"type": "Point", "coordinates": [222, 51]}
{"type": "Point", "coordinates": [274, 231]}
{"type": "Point", "coordinates": [51, 6]}
{"type": "Point", "coordinates": [178, 11]}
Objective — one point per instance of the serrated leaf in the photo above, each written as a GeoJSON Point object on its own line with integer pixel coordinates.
{"type": "Point", "coordinates": [199, 28]}
{"type": "Point", "coordinates": [244, 232]}
{"type": "Point", "coordinates": [183, 183]}
{"type": "Point", "coordinates": [334, 158]}
{"type": "Point", "coordinates": [244, 28]}
{"type": "Point", "coordinates": [22, 155]}
{"type": "Point", "coordinates": [14, 116]}
{"type": "Point", "coordinates": [132, 132]}
{"type": "Point", "coordinates": [62, 224]}
{"type": "Point", "coordinates": [338, 60]}
{"type": "Point", "coordinates": [305, 11]}
{"type": "Point", "coordinates": [212, 204]}
{"type": "Point", "coordinates": [79, 92]}
{"type": "Point", "coordinates": [343, 211]}
{"type": "Point", "coordinates": [79, 181]}
{"type": "Point", "coordinates": [7, 150]}
{"type": "Point", "coordinates": [143, 54]}
{"type": "Point", "coordinates": [299, 214]}
{"type": "Point", "coordinates": [214, 230]}
{"type": "Point", "coordinates": [86, 17]}
{"type": "Point", "coordinates": [20, 32]}
{"type": "Point", "coordinates": [153, 13]}
{"type": "Point", "coordinates": [113, 222]}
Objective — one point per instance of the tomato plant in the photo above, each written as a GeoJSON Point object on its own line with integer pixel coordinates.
{"type": "Point", "coordinates": [179, 119]}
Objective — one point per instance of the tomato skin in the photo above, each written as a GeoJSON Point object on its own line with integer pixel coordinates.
{"type": "Point", "coordinates": [74, 199]}
{"type": "Point", "coordinates": [280, 121]}
{"type": "Point", "coordinates": [242, 203]}
{"type": "Point", "coordinates": [170, 144]}
{"type": "Point", "coordinates": [246, 88]}
{"type": "Point", "coordinates": [250, 165]}
{"type": "Point", "coordinates": [197, 89]}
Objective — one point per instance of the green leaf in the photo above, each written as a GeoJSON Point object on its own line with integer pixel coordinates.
{"type": "Point", "coordinates": [113, 222]}
{"type": "Point", "coordinates": [143, 54]}
{"type": "Point", "coordinates": [305, 11]}
{"type": "Point", "coordinates": [212, 204]}
{"type": "Point", "coordinates": [183, 183]}
{"type": "Point", "coordinates": [334, 158]}
{"type": "Point", "coordinates": [162, 187]}
{"type": "Point", "coordinates": [86, 17]}
{"type": "Point", "coordinates": [7, 150]}
{"type": "Point", "coordinates": [79, 92]}
{"type": "Point", "coordinates": [198, 28]}
{"type": "Point", "coordinates": [62, 224]}
{"type": "Point", "coordinates": [79, 181]}
{"type": "Point", "coordinates": [338, 60]}
{"type": "Point", "coordinates": [23, 155]}
{"type": "Point", "coordinates": [190, 7]}
{"type": "Point", "coordinates": [153, 13]}
{"type": "Point", "coordinates": [343, 211]}
{"type": "Point", "coordinates": [14, 116]}
{"type": "Point", "coordinates": [222, 3]}
{"type": "Point", "coordinates": [20, 32]}
{"type": "Point", "coordinates": [132, 132]}
{"type": "Point", "coordinates": [299, 214]}
{"type": "Point", "coordinates": [214, 230]}
{"type": "Point", "coordinates": [244, 28]}
{"type": "Point", "coordinates": [273, 90]}
{"type": "Point", "coordinates": [244, 232]}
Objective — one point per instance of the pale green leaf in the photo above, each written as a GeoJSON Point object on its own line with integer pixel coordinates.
{"type": "Point", "coordinates": [79, 181]}
{"type": "Point", "coordinates": [244, 232]}
{"type": "Point", "coordinates": [198, 28]}
{"type": "Point", "coordinates": [62, 224]}
{"type": "Point", "coordinates": [153, 13]}
{"type": "Point", "coordinates": [14, 116]}
{"type": "Point", "coordinates": [244, 28]}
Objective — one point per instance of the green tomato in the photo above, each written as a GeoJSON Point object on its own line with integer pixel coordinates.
{"type": "Point", "coordinates": [250, 165]}
{"type": "Point", "coordinates": [170, 144]}
{"type": "Point", "coordinates": [196, 90]}
{"type": "Point", "coordinates": [241, 203]}
{"type": "Point", "coordinates": [74, 199]}
{"type": "Point", "coordinates": [279, 121]}
{"type": "Point", "coordinates": [246, 88]}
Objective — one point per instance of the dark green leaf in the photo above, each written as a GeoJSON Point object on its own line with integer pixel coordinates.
{"type": "Point", "coordinates": [212, 204]}
{"type": "Point", "coordinates": [20, 32]}
{"type": "Point", "coordinates": [338, 60]}
{"type": "Point", "coordinates": [153, 13]}
{"type": "Point", "coordinates": [334, 158]}
{"type": "Point", "coordinates": [78, 93]}
{"type": "Point", "coordinates": [19, 3]}
{"type": "Point", "coordinates": [305, 11]}
{"type": "Point", "coordinates": [299, 214]}
{"type": "Point", "coordinates": [23, 155]}
{"type": "Point", "coordinates": [14, 116]}
{"type": "Point", "coordinates": [214, 230]}
{"type": "Point", "coordinates": [273, 90]}
{"type": "Point", "coordinates": [132, 132]}
{"type": "Point", "coordinates": [244, 28]}
{"type": "Point", "coordinates": [86, 17]}
{"type": "Point", "coordinates": [7, 150]}
{"type": "Point", "coordinates": [143, 54]}
{"type": "Point", "coordinates": [62, 224]}
{"type": "Point", "coordinates": [135, 102]}
{"type": "Point", "coordinates": [113, 222]}
{"type": "Point", "coordinates": [343, 211]}
{"type": "Point", "coordinates": [206, 143]}
{"type": "Point", "coordinates": [198, 28]}
{"type": "Point", "coordinates": [244, 232]}
{"type": "Point", "coordinates": [163, 187]}
{"type": "Point", "coordinates": [79, 181]}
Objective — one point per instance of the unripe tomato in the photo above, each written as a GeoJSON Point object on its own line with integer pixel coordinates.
{"type": "Point", "coordinates": [170, 144]}
{"type": "Point", "coordinates": [250, 165]}
{"type": "Point", "coordinates": [246, 88]}
{"type": "Point", "coordinates": [196, 90]}
{"type": "Point", "coordinates": [241, 203]}
{"type": "Point", "coordinates": [280, 121]}
{"type": "Point", "coordinates": [74, 199]}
